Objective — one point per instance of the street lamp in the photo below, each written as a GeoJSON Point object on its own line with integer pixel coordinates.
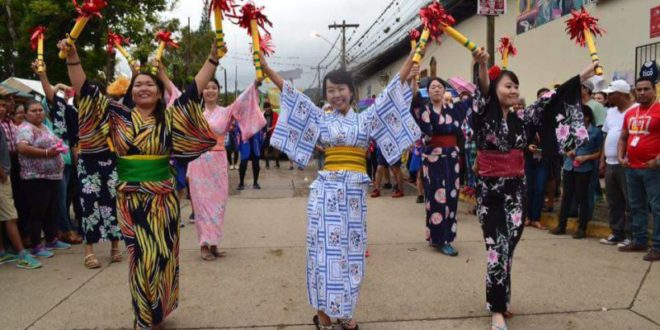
{"type": "Point", "coordinates": [318, 35]}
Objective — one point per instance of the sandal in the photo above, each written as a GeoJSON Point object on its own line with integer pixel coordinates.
{"type": "Point", "coordinates": [498, 327]}
{"type": "Point", "coordinates": [115, 257]}
{"type": "Point", "coordinates": [207, 255]}
{"type": "Point", "coordinates": [218, 254]}
{"type": "Point", "coordinates": [91, 262]}
{"type": "Point", "coordinates": [538, 225]}
{"type": "Point", "coordinates": [320, 326]}
{"type": "Point", "coordinates": [508, 314]}
{"type": "Point", "coordinates": [345, 323]}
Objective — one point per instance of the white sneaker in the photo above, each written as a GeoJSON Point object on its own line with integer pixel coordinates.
{"type": "Point", "coordinates": [625, 242]}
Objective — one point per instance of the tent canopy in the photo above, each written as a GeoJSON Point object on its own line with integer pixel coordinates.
{"type": "Point", "coordinates": [25, 85]}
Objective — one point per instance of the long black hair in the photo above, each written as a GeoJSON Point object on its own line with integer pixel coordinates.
{"type": "Point", "coordinates": [339, 77]}
{"type": "Point", "coordinates": [493, 111]}
{"type": "Point", "coordinates": [159, 111]}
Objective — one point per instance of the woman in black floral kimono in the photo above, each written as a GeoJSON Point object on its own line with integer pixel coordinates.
{"type": "Point", "coordinates": [501, 138]}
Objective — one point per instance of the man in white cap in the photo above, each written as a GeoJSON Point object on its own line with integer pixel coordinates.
{"type": "Point", "coordinates": [618, 94]}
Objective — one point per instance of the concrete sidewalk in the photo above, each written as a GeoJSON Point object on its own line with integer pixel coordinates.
{"type": "Point", "coordinates": [558, 282]}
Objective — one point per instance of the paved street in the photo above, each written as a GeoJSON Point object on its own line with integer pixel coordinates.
{"type": "Point", "coordinates": [558, 282]}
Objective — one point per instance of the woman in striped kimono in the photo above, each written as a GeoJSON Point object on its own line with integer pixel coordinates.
{"type": "Point", "coordinates": [336, 211]}
{"type": "Point", "coordinates": [207, 175]}
{"type": "Point", "coordinates": [144, 138]}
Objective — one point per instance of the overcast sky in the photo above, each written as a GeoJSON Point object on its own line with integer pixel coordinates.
{"type": "Point", "coordinates": [294, 22]}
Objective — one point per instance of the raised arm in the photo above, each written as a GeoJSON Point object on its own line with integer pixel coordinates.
{"type": "Point", "coordinates": [270, 73]}
{"type": "Point", "coordinates": [43, 78]}
{"type": "Point", "coordinates": [162, 75]}
{"type": "Point", "coordinates": [76, 73]}
{"type": "Point", "coordinates": [481, 57]}
{"type": "Point", "coordinates": [207, 72]}
{"type": "Point", "coordinates": [407, 67]}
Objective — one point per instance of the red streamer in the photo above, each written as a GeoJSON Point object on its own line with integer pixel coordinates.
{"type": "Point", "coordinates": [414, 35]}
{"type": "Point", "coordinates": [249, 12]}
{"type": "Point", "coordinates": [90, 7]}
{"type": "Point", "coordinates": [115, 39]}
{"type": "Point", "coordinates": [36, 33]}
{"type": "Point", "coordinates": [166, 37]}
{"type": "Point", "coordinates": [435, 18]}
{"type": "Point", "coordinates": [579, 22]}
{"type": "Point", "coordinates": [507, 44]}
{"type": "Point", "coordinates": [226, 6]}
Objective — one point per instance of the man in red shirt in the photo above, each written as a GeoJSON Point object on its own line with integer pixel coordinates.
{"type": "Point", "coordinates": [639, 151]}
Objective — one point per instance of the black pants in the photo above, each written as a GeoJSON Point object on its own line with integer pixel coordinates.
{"type": "Point", "coordinates": [269, 152]}
{"type": "Point", "coordinates": [17, 192]}
{"type": "Point", "coordinates": [41, 196]}
{"type": "Point", "coordinates": [575, 184]}
{"type": "Point", "coordinates": [617, 192]}
{"type": "Point", "coordinates": [242, 169]}
{"type": "Point", "coordinates": [232, 155]}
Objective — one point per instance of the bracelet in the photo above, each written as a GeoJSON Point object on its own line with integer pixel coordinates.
{"type": "Point", "coordinates": [73, 64]}
{"type": "Point", "coordinates": [214, 62]}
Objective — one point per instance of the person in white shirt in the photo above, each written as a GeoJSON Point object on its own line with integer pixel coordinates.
{"type": "Point", "coordinates": [618, 94]}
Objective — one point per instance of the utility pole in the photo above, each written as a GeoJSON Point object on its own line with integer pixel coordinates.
{"type": "Point", "coordinates": [318, 71]}
{"type": "Point", "coordinates": [236, 82]}
{"type": "Point", "coordinates": [491, 39]}
{"type": "Point", "coordinates": [343, 28]}
{"type": "Point", "coordinates": [187, 71]}
{"type": "Point", "coordinates": [226, 100]}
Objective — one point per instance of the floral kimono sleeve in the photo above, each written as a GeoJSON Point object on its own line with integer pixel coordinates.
{"type": "Point", "coordinates": [298, 127]}
{"type": "Point", "coordinates": [559, 114]}
{"type": "Point", "coordinates": [93, 111]}
{"type": "Point", "coordinates": [247, 113]}
{"type": "Point", "coordinates": [391, 124]}
{"type": "Point", "coordinates": [191, 135]}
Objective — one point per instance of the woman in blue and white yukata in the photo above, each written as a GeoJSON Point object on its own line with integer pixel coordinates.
{"type": "Point", "coordinates": [336, 210]}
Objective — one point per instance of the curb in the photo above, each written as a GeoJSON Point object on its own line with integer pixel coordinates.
{"type": "Point", "coordinates": [550, 220]}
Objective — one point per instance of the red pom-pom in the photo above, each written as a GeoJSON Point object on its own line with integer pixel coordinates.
{"type": "Point", "coordinates": [494, 72]}
{"type": "Point", "coordinates": [579, 22]}
{"type": "Point", "coordinates": [266, 45]}
{"type": "Point", "coordinates": [435, 18]}
{"type": "Point", "coordinates": [507, 44]}
{"type": "Point", "coordinates": [166, 37]}
{"type": "Point", "coordinates": [90, 7]}
{"type": "Point", "coordinates": [36, 33]}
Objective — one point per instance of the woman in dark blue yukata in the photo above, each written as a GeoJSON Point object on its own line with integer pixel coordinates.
{"type": "Point", "coordinates": [441, 122]}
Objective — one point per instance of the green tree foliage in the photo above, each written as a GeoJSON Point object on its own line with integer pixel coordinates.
{"type": "Point", "coordinates": [137, 20]}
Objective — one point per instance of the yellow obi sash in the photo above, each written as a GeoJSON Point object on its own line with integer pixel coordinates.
{"type": "Point", "coordinates": [346, 158]}
{"type": "Point", "coordinates": [143, 168]}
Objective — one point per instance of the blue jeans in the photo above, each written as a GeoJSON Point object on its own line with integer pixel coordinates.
{"type": "Point", "coordinates": [61, 209]}
{"type": "Point", "coordinates": [537, 176]}
{"type": "Point", "coordinates": [644, 191]}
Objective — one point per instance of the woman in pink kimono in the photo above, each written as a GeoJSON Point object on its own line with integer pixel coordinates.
{"type": "Point", "coordinates": [207, 175]}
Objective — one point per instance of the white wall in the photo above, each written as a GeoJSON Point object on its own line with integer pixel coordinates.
{"type": "Point", "coordinates": [546, 55]}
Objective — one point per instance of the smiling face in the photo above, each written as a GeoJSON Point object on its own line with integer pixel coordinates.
{"type": "Point", "coordinates": [211, 92]}
{"type": "Point", "coordinates": [507, 92]}
{"type": "Point", "coordinates": [339, 96]}
{"type": "Point", "coordinates": [436, 91]}
{"type": "Point", "coordinates": [35, 114]}
{"type": "Point", "coordinates": [146, 92]}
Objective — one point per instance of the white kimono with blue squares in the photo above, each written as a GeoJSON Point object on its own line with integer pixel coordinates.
{"type": "Point", "coordinates": [336, 210]}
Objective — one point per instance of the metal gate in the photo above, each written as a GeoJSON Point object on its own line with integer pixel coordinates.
{"type": "Point", "coordinates": [646, 53]}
